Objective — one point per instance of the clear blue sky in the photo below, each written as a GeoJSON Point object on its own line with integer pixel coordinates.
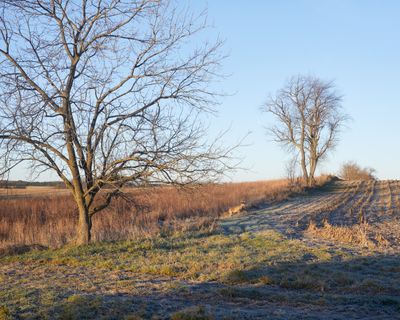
{"type": "Point", "coordinates": [355, 43]}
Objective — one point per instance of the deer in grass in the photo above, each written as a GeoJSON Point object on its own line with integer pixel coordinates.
{"type": "Point", "coordinates": [236, 209]}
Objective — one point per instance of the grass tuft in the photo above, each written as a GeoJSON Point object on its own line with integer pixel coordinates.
{"type": "Point", "coordinates": [5, 313]}
{"type": "Point", "coordinates": [192, 313]}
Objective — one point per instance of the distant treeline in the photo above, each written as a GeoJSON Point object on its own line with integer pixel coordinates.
{"type": "Point", "coordinates": [21, 184]}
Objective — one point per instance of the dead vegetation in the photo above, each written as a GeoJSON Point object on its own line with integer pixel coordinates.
{"type": "Point", "coordinates": [363, 234]}
{"type": "Point", "coordinates": [352, 171]}
{"type": "Point", "coordinates": [366, 216]}
{"type": "Point", "coordinates": [50, 220]}
{"type": "Point", "coordinates": [351, 235]}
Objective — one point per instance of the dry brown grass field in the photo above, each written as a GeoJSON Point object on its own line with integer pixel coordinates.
{"type": "Point", "coordinates": [47, 216]}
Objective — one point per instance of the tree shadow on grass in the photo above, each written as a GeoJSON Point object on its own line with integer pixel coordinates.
{"type": "Point", "coordinates": [358, 288]}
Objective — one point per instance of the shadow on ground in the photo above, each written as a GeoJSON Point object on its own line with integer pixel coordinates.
{"type": "Point", "coordinates": [359, 288]}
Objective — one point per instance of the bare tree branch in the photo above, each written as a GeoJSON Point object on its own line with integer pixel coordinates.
{"type": "Point", "coordinates": [107, 94]}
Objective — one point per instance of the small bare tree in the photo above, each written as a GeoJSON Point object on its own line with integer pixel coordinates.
{"type": "Point", "coordinates": [352, 171]}
{"type": "Point", "coordinates": [106, 93]}
{"type": "Point", "coordinates": [291, 172]}
{"type": "Point", "coordinates": [309, 117]}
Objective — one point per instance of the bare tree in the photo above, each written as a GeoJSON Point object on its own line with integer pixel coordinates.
{"type": "Point", "coordinates": [309, 117]}
{"type": "Point", "coordinates": [292, 173]}
{"type": "Point", "coordinates": [105, 94]}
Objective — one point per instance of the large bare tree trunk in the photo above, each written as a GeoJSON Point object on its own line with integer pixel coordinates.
{"type": "Point", "coordinates": [313, 167]}
{"type": "Point", "coordinates": [83, 235]}
{"type": "Point", "coordinates": [304, 167]}
{"type": "Point", "coordinates": [83, 231]}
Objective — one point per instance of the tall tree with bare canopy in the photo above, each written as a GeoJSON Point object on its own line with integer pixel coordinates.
{"type": "Point", "coordinates": [106, 93]}
{"type": "Point", "coordinates": [309, 117]}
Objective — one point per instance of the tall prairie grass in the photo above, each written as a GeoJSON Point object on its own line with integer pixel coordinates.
{"type": "Point", "coordinates": [50, 219]}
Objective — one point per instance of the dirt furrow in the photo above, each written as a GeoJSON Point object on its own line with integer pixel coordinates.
{"type": "Point", "coordinates": [379, 208]}
{"type": "Point", "coordinates": [344, 213]}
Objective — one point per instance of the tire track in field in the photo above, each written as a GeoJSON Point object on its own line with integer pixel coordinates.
{"type": "Point", "coordinates": [343, 211]}
{"type": "Point", "coordinates": [395, 189]}
{"type": "Point", "coordinates": [332, 199]}
{"type": "Point", "coordinates": [380, 205]}
{"type": "Point", "coordinates": [328, 204]}
{"type": "Point", "coordinates": [356, 212]}
{"type": "Point", "coordinates": [366, 206]}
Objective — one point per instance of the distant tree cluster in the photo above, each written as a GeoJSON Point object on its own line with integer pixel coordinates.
{"type": "Point", "coordinates": [352, 171]}
{"type": "Point", "coordinates": [21, 184]}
